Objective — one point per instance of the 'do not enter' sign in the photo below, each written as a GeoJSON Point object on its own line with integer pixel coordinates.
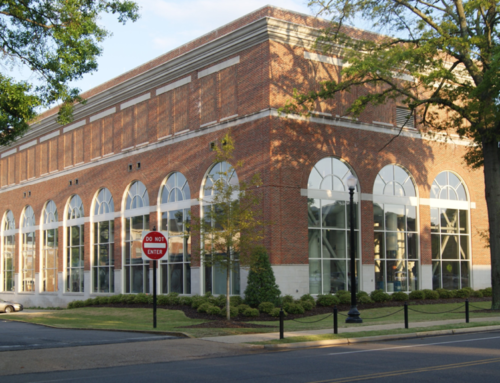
{"type": "Point", "coordinates": [154, 245]}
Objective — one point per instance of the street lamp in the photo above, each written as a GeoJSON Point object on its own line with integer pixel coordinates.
{"type": "Point", "coordinates": [353, 315]}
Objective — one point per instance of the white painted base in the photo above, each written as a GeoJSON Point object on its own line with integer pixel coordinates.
{"type": "Point", "coordinates": [481, 276]}
{"type": "Point", "coordinates": [118, 281]}
{"type": "Point", "coordinates": [292, 279]}
{"type": "Point", "coordinates": [87, 284]}
{"type": "Point", "coordinates": [195, 281]}
{"type": "Point", "coordinates": [425, 277]}
{"type": "Point", "coordinates": [367, 278]}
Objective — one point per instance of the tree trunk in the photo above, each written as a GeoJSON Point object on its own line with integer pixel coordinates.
{"type": "Point", "coordinates": [491, 153]}
{"type": "Point", "coordinates": [228, 311]}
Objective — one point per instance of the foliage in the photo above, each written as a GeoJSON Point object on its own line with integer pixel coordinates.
{"type": "Point", "coordinates": [197, 301]}
{"type": "Point", "coordinates": [365, 299]}
{"type": "Point", "coordinates": [88, 302]}
{"type": "Point", "coordinates": [114, 299]}
{"type": "Point", "coordinates": [242, 308]}
{"type": "Point", "coordinates": [443, 293]}
{"type": "Point", "coordinates": [328, 300]}
{"type": "Point", "coordinates": [308, 297]}
{"type": "Point", "coordinates": [163, 300]}
{"type": "Point", "coordinates": [231, 227]}
{"type": "Point", "coordinates": [294, 308]}
{"type": "Point", "coordinates": [360, 294]}
{"type": "Point", "coordinates": [57, 42]}
{"type": "Point", "coordinates": [261, 285]}
{"type": "Point", "coordinates": [250, 312]}
{"type": "Point", "coordinates": [76, 304]}
{"type": "Point", "coordinates": [476, 294]}
{"type": "Point", "coordinates": [186, 301]}
{"type": "Point", "coordinates": [204, 307]}
{"type": "Point", "coordinates": [487, 292]}
{"type": "Point", "coordinates": [141, 298]}
{"type": "Point", "coordinates": [307, 305]}
{"type": "Point", "coordinates": [379, 296]}
{"type": "Point", "coordinates": [233, 311]}
{"type": "Point", "coordinates": [102, 300]}
{"type": "Point", "coordinates": [431, 294]}
{"type": "Point", "coordinates": [417, 295]}
{"type": "Point", "coordinates": [287, 299]}
{"type": "Point", "coordinates": [344, 297]}
{"type": "Point", "coordinates": [213, 310]}
{"type": "Point", "coordinates": [276, 312]}
{"type": "Point", "coordinates": [266, 307]}
{"type": "Point", "coordinates": [236, 300]}
{"type": "Point", "coordinates": [399, 296]}
{"type": "Point", "coordinates": [462, 293]}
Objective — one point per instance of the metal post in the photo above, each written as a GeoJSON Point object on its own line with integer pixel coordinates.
{"type": "Point", "coordinates": [335, 320]}
{"type": "Point", "coordinates": [282, 316]}
{"type": "Point", "coordinates": [353, 315]}
{"type": "Point", "coordinates": [154, 289]}
{"type": "Point", "coordinates": [406, 314]}
{"type": "Point", "coordinates": [466, 311]}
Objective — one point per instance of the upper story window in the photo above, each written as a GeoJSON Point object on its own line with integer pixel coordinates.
{"type": "Point", "coordinates": [447, 186]}
{"type": "Point", "coordinates": [220, 172]}
{"type": "Point", "coordinates": [75, 241]}
{"type": "Point", "coordinates": [104, 203]}
{"type": "Point", "coordinates": [75, 208]}
{"type": "Point", "coordinates": [137, 196]}
{"type": "Point", "coordinates": [393, 180]}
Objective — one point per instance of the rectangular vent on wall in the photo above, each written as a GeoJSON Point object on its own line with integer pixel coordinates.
{"type": "Point", "coordinates": [405, 118]}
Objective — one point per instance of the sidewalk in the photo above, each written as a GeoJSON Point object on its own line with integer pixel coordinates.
{"type": "Point", "coordinates": [234, 339]}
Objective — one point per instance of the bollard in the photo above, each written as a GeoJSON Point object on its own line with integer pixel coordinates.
{"type": "Point", "coordinates": [466, 311]}
{"type": "Point", "coordinates": [282, 315]}
{"type": "Point", "coordinates": [406, 314]}
{"type": "Point", "coordinates": [335, 320]}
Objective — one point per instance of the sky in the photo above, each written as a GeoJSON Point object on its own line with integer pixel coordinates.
{"type": "Point", "coordinates": [165, 25]}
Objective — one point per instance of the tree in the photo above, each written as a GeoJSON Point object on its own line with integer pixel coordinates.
{"type": "Point", "coordinates": [58, 42]}
{"type": "Point", "coordinates": [261, 285]}
{"type": "Point", "coordinates": [231, 226]}
{"type": "Point", "coordinates": [451, 48]}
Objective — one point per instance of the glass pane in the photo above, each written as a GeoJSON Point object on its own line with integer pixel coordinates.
{"type": "Point", "coordinates": [104, 232]}
{"type": "Point", "coordinates": [380, 275]}
{"type": "Point", "coordinates": [127, 253]}
{"type": "Point", "coordinates": [436, 275]}
{"type": "Point", "coordinates": [412, 245]}
{"type": "Point", "coordinates": [379, 245]}
{"type": "Point", "coordinates": [75, 235]}
{"type": "Point", "coordinates": [187, 248]}
{"type": "Point", "coordinates": [412, 275]}
{"type": "Point", "coordinates": [378, 187]}
{"type": "Point", "coordinates": [334, 245]}
{"type": "Point", "coordinates": [465, 280]}
{"type": "Point", "coordinates": [334, 276]}
{"type": "Point", "coordinates": [333, 213]}
{"type": "Point", "coordinates": [164, 222]}
{"type": "Point", "coordinates": [176, 219]}
{"type": "Point", "coordinates": [395, 217]}
{"type": "Point", "coordinates": [396, 276]}
{"type": "Point", "coordinates": [314, 276]}
{"type": "Point", "coordinates": [449, 247]}
{"type": "Point", "coordinates": [95, 277]}
{"type": "Point", "coordinates": [314, 243]}
{"type": "Point", "coordinates": [137, 279]}
{"type": "Point", "coordinates": [395, 245]}
{"type": "Point", "coordinates": [313, 211]}
{"type": "Point", "coordinates": [378, 216]}
{"type": "Point", "coordinates": [464, 222]}
{"type": "Point", "coordinates": [103, 255]}
{"type": "Point", "coordinates": [449, 220]}
{"type": "Point", "coordinates": [451, 275]}
{"type": "Point", "coordinates": [462, 196]}
{"type": "Point", "coordinates": [219, 281]}
{"type": "Point", "coordinates": [75, 257]}
{"type": "Point", "coordinates": [411, 218]}
{"type": "Point", "coordinates": [314, 181]}
{"type": "Point", "coordinates": [137, 227]}
{"type": "Point", "coordinates": [136, 252]}
{"type": "Point", "coordinates": [176, 278]}
{"type": "Point", "coordinates": [464, 247]}
{"type": "Point", "coordinates": [436, 246]}
{"type": "Point", "coordinates": [175, 249]}
{"type": "Point", "coordinates": [434, 220]}
{"type": "Point", "coordinates": [127, 229]}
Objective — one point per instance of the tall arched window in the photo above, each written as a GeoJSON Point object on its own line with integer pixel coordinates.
{"type": "Point", "coordinates": [215, 277]}
{"type": "Point", "coordinates": [50, 247]}
{"type": "Point", "coordinates": [103, 261]}
{"type": "Point", "coordinates": [9, 240]}
{"type": "Point", "coordinates": [395, 230]}
{"type": "Point", "coordinates": [28, 249]}
{"type": "Point", "coordinates": [175, 213]}
{"type": "Point", "coordinates": [74, 245]}
{"type": "Point", "coordinates": [329, 223]}
{"type": "Point", "coordinates": [136, 220]}
{"type": "Point", "coordinates": [450, 233]}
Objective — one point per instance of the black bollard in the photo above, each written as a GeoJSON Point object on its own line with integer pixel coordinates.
{"type": "Point", "coordinates": [335, 320]}
{"type": "Point", "coordinates": [282, 316]}
{"type": "Point", "coordinates": [406, 314]}
{"type": "Point", "coordinates": [466, 311]}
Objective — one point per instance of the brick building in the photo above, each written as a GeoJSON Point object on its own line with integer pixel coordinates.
{"type": "Point", "coordinates": [74, 199]}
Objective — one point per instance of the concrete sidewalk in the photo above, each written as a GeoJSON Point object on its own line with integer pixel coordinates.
{"type": "Point", "coordinates": [234, 339]}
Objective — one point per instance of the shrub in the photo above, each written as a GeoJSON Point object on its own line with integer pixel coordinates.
{"type": "Point", "coordinates": [213, 310]}
{"type": "Point", "coordinates": [233, 311]}
{"type": "Point", "coordinates": [89, 302]}
{"type": "Point", "coordinates": [416, 295]}
{"type": "Point", "coordinates": [308, 297]}
{"type": "Point", "coordinates": [242, 308]}
{"type": "Point", "coordinates": [287, 299]}
{"type": "Point", "coordinates": [197, 301]}
{"type": "Point", "coordinates": [128, 299]}
{"type": "Point", "coordinates": [453, 293]}
{"type": "Point", "coordinates": [487, 292]}
{"type": "Point", "coordinates": [307, 305]}
{"type": "Point", "coordinates": [76, 304]}
{"type": "Point", "coordinates": [251, 312]}
{"type": "Point", "coordinates": [443, 293]}
{"type": "Point", "coordinates": [365, 299]}
{"type": "Point", "coordinates": [186, 301]}
{"type": "Point", "coordinates": [468, 288]}
{"type": "Point", "coordinates": [221, 300]}
{"type": "Point", "coordinates": [141, 299]}
{"type": "Point", "coordinates": [380, 296]}
{"type": "Point", "coordinates": [361, 294]}
{"type": "Point", "coordinates": [261, 285]}
{"type": "Point", "coordinates": [477, 294]}
{"type": "Point", "coordinates": [462, 293]}
{"type": "Point", "coordinates": [344, 297]}
{"type": "Point", "coordinates": [266, 307]}
{"type": "Point", "coordinates": [114, 299]}
{"type": "Point", "coordinates": [431, 294]}
{"type": "Point", "coordinates": [236, 300]}
{"type": "Point", "coordinates": [173, 299]}
{"type": "Point", "coordinates": [276, 312]}
{"type": "Point", "coordinates": [162, 300]}
{"type": "Point", "coordinates": [328, 300]}
{"type": "Point", "coordinates": [102, 300]}
{"type": "Point", "coordinates": [399, 296]}
{"type": "Point", "coordinates": [204, 307]}
{"type": "Point", "coordinates": [295, 308]}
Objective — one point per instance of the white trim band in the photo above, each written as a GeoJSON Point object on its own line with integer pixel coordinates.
{"type": "Point", "coordinates": [135, 101]}
{"type": "Point", "coordinates": [219, 67]}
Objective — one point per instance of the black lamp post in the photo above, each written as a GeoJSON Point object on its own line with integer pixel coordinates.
{"type": "Point", "coordinates": [353, 315]}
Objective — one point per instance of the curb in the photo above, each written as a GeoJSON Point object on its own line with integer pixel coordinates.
{"type": "Point", "coordinates": [347, 341]}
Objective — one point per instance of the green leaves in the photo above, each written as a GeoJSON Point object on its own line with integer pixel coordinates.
{"type": "Point", "coordinates": [58, 41]}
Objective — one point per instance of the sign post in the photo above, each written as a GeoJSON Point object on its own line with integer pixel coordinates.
{"type": "Point", "coordinates": [154, 248]}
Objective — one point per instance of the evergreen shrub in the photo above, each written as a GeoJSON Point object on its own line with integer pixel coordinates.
{"type": "Point", "coordinates": [477, 294]}
{"type": "Point", "coordinates": [443, 293]}
{"type": "Point", "coordinates": [287, 299]}
{"type": "Point", "coordinates": [213, 310]}
{"type": "Point", "coordinates": [487, 292]}
{"type": "Point", "coordinates": [250, 312]}
{"type": "Point", "coordinates": [361, 294]}
{"type": "Point", "coordinates": [328, 300]}
{"type": "Point", "coordinates": [266, 307]}
{"type": "Point", "coordinates": [233, 312]}
{"type": "Point", "coordinates": [431, 294]}
{"type": "Point", "coordinates": [308, 297]}
{"type": "Point", "coordinates": [141, 299]}
{"type": "Point", "coordinates": [261, 285]}
{"type": "Point", "coordinates": [186, 301]}
{"type": "Point", "coordinates": [162, 300]}
{"type": "Point", "coordinates": [89, 302]}
{"type": "Point", "coordinates": [380, 296]}
{"type": "Point", "coordinates": [344, 297]}
{"type": "Point", "coordinates": [114, 299]}
{"type": "Point", "coordinates": [197, 301]}
{"type": "Point", "coordinates": [462, 293]}
{"type": "Point", "coordinates": [417, 295]}
{"type": "Point", "coordinates": [276, 312]}
{"type": "Point", "coordinates": [204, 307]}
{"type": "Point", "coordinates": [102, 300]}
{"type": "Point", "coordinates": [365, 299]}
{"type": "Point", "coordinates": [295, 308]}
{"type": "Point", "coordinates": [76, 304]}
{"type": "Point", "coordinates": [399, 296]}
{"type": "Point", "coordinates": [242, 308]}
{"type": "Point", "coordinates": [235, 300]}
{"type": "Point", "coordinates": [307, 305]}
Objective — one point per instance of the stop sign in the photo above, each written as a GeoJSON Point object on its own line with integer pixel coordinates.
{"type": "Point", "coordinates": [154, 245]}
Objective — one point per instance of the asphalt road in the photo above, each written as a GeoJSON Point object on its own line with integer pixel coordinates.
{"type": "Point", "coordinates": [458, 358]}
{"type": "Point", "coordinates": [16, 336]}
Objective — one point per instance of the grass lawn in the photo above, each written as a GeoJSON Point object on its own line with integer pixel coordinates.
{"type": "Point", "coordinates": [172, 320]}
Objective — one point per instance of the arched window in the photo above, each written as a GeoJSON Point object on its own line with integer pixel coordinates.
{"type": "Point", "coordinates": [175, 213]}
{"type": "Point", "coordinates": [50, 247]}
{"type": "Point", "coordinates": [136, 220]}
{"type": "Point", "coordinates": [450, 233]}
{"type": "Point", "coordinates": [215, 276]}
{"type": "Point", "coordinates": [74, 245]}
{"type": "Point", "coordinates": [103, 261]}
{"type": "Point", "coordinates": [396, 231]}
{"type": "Point", "coordinates": [28, 249]}
{"type": "Point", "coordinates": [8, 234]}
{"type": "Point", "coordinates": [329, 223]}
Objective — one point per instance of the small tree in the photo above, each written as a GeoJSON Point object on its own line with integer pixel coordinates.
{"type": "Point", "coordinates": [262, 285]}
{"type": "Point", "coordinates": [231, 226]}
